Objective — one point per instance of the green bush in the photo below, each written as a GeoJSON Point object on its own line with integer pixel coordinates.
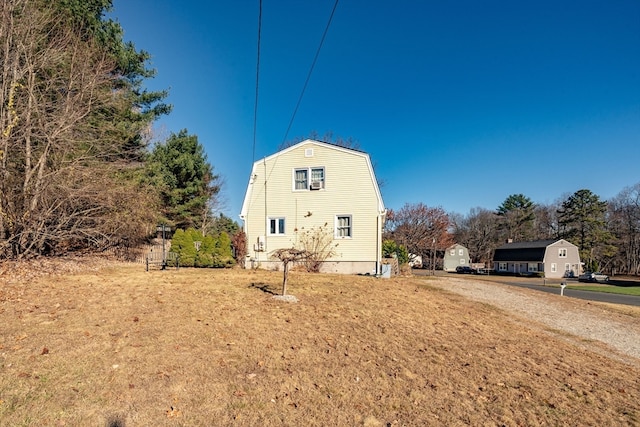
{"type": "Point", "coordinates": [182, 244]}
{"type": "Point", "coordinates": [209, 252]}
{"type": "Point", "coordinates": [389, 248]}
{"type": "Point", "coordinates": [205, 255]}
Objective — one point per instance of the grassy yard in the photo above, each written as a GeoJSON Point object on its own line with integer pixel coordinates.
{"type": "Point", "coordinates": [623, 285]}
{"type": "Point", "coordinates": [612, 289]}
{"type": "Point", "coordinates": [120, 346]}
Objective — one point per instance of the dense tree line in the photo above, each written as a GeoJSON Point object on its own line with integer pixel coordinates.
{"type": "Point", "coordinates": [607, 233]}
{"type": "Point", "coordinates": [76, 168]}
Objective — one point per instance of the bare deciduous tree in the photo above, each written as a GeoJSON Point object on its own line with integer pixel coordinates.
{"type": "Point", "coordinates": [67, 178]}
{"type": "Point", "coordinates": [420, 229]}
{"type": "Point", "coordinates": [319, 245]}
{"type": "Point", "coordinates": [478, 231]}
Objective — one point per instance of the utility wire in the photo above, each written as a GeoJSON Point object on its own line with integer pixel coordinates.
{"type": "Point", "coordinates": [255, 108]}
{"type": "Point", "coordinates": [313, 64]}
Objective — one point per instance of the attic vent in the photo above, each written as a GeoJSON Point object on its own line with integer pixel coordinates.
{"type": "Point", "coordinates": [308, 152]}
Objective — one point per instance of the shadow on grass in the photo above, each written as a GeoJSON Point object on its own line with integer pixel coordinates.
{"type": "Point", "coordinates": [624, 283]}
{"type": "Point", "coordinates": [264, 288]}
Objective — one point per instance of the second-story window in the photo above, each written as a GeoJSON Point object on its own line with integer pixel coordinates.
{"type": "Point", "coordinates": [308, 178]}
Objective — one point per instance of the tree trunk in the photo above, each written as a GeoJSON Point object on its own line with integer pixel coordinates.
{"type": "Point", "coordinates": [286, 277]}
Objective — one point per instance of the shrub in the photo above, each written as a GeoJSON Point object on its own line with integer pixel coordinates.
{"type": "Point", "coordinates": [389, 248]}
{"type": "Point", "coordinates": [318, 244]}
{"type": "Point", "coordinates": [196, 250]}
{"type": "Point", "coordinates": [182, 244]}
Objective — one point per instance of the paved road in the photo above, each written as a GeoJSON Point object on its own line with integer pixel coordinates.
{"type": "Point", "coordinates": [536, 285]}
{"type": "Point", "coordinates": [586, 295]}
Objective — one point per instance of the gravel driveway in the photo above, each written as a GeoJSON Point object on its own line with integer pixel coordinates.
{"type": "Point", "coordinates": [590, 325]}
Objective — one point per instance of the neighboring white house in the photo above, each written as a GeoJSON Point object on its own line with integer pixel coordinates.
{"type": "Point", "coordinates": [309, 185]}
{"type": "Point", "coordinates": [555, 258]}
{"type": "Point", "coordinates": [454, 256]}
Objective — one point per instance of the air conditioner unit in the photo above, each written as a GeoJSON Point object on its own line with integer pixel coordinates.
{"type": "Point", "coordinates": [316, 185]}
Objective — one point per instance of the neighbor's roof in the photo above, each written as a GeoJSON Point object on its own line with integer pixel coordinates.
{"type": "Point", "coordinates": [523, 251]}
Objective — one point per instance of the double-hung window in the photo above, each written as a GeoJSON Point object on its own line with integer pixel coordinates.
{"type": "Point", "coordinates": [301, 179]}
{"type": "Point", "coordinates": [343, 226]}
{"type": "Point", "coordinates": [308, 178]}
{"type": "Point", "coordinates": [276, 226]}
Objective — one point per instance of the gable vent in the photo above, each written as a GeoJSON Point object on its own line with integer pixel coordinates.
{"type": "Point", "coordinates": [308, 152]}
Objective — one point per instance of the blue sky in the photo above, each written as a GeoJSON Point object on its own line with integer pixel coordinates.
{"type": "Point", "coordinates": [459, 104]}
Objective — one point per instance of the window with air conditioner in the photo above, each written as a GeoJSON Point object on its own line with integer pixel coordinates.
{"type": "Point", "coordinates": [305, 179]}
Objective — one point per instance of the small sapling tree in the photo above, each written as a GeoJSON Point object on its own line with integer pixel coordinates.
{"type": "Point", "coordinates": [288, 256]}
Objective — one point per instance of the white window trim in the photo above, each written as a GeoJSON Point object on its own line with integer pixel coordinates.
{"type": "Point", "coordinates": [336, 227]}
{"type": "Point", "coordinates": [502, 266]}
{"type": "Point", "coordinates": [279, 221]}
{"type": "Point", "coordinates": [309, 178]}
{"type": "Point", "coordinates": [554, 267]}
{"type": "Point", "coordinates": [562, 252]}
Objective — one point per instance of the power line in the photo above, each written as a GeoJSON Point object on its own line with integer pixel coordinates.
{"type": "Point", "coordinates": [255, 108]}
{"type": "Point", "coordinates": [313, 64]}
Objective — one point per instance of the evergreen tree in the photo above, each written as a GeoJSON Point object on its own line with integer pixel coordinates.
{"type": "Point", "coordinates": [582, 219]}
{"type": "Point", "coordinates": [516, 215]}
{"type": "Point", "coordinates": [223, 223]}
{"type": "Point", "coordinates": [180, 169]}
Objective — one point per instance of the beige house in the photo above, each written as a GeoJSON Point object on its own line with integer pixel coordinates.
{"type": "Point", "coordinates": [309, 185]}
{"type": "Point", "coordinates": [553, 258]}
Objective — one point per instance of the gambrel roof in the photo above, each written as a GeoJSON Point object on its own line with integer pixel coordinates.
{"type": "Point", "coordinates": [272, 162]}
{"type": "Point", "coordinates": [523, 251]}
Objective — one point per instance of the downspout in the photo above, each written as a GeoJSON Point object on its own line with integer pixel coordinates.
{"type": "Point", "coordinates": [378, 266]}
{"type": "Point", "coordinates": [379, 241]}
{"type": "Point", "coordinates": [264, 162]}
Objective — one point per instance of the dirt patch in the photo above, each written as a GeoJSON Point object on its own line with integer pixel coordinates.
{"type": "Point", "coordinates": [213, 347]}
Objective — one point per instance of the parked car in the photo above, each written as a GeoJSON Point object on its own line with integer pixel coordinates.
{"type": "Point", "coordinates": [589, 276]}
{"type": "Point", "coordinates": [465, 269]}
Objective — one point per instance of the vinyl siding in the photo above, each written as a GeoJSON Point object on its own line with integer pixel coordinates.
{"type": "Point", "coordinates": [350, 189]}
{"type": "Point", "coordinates": [552, 256]}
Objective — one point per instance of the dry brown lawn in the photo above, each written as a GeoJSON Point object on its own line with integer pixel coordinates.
{"type": "Point", "coordinates": [119, 346]}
